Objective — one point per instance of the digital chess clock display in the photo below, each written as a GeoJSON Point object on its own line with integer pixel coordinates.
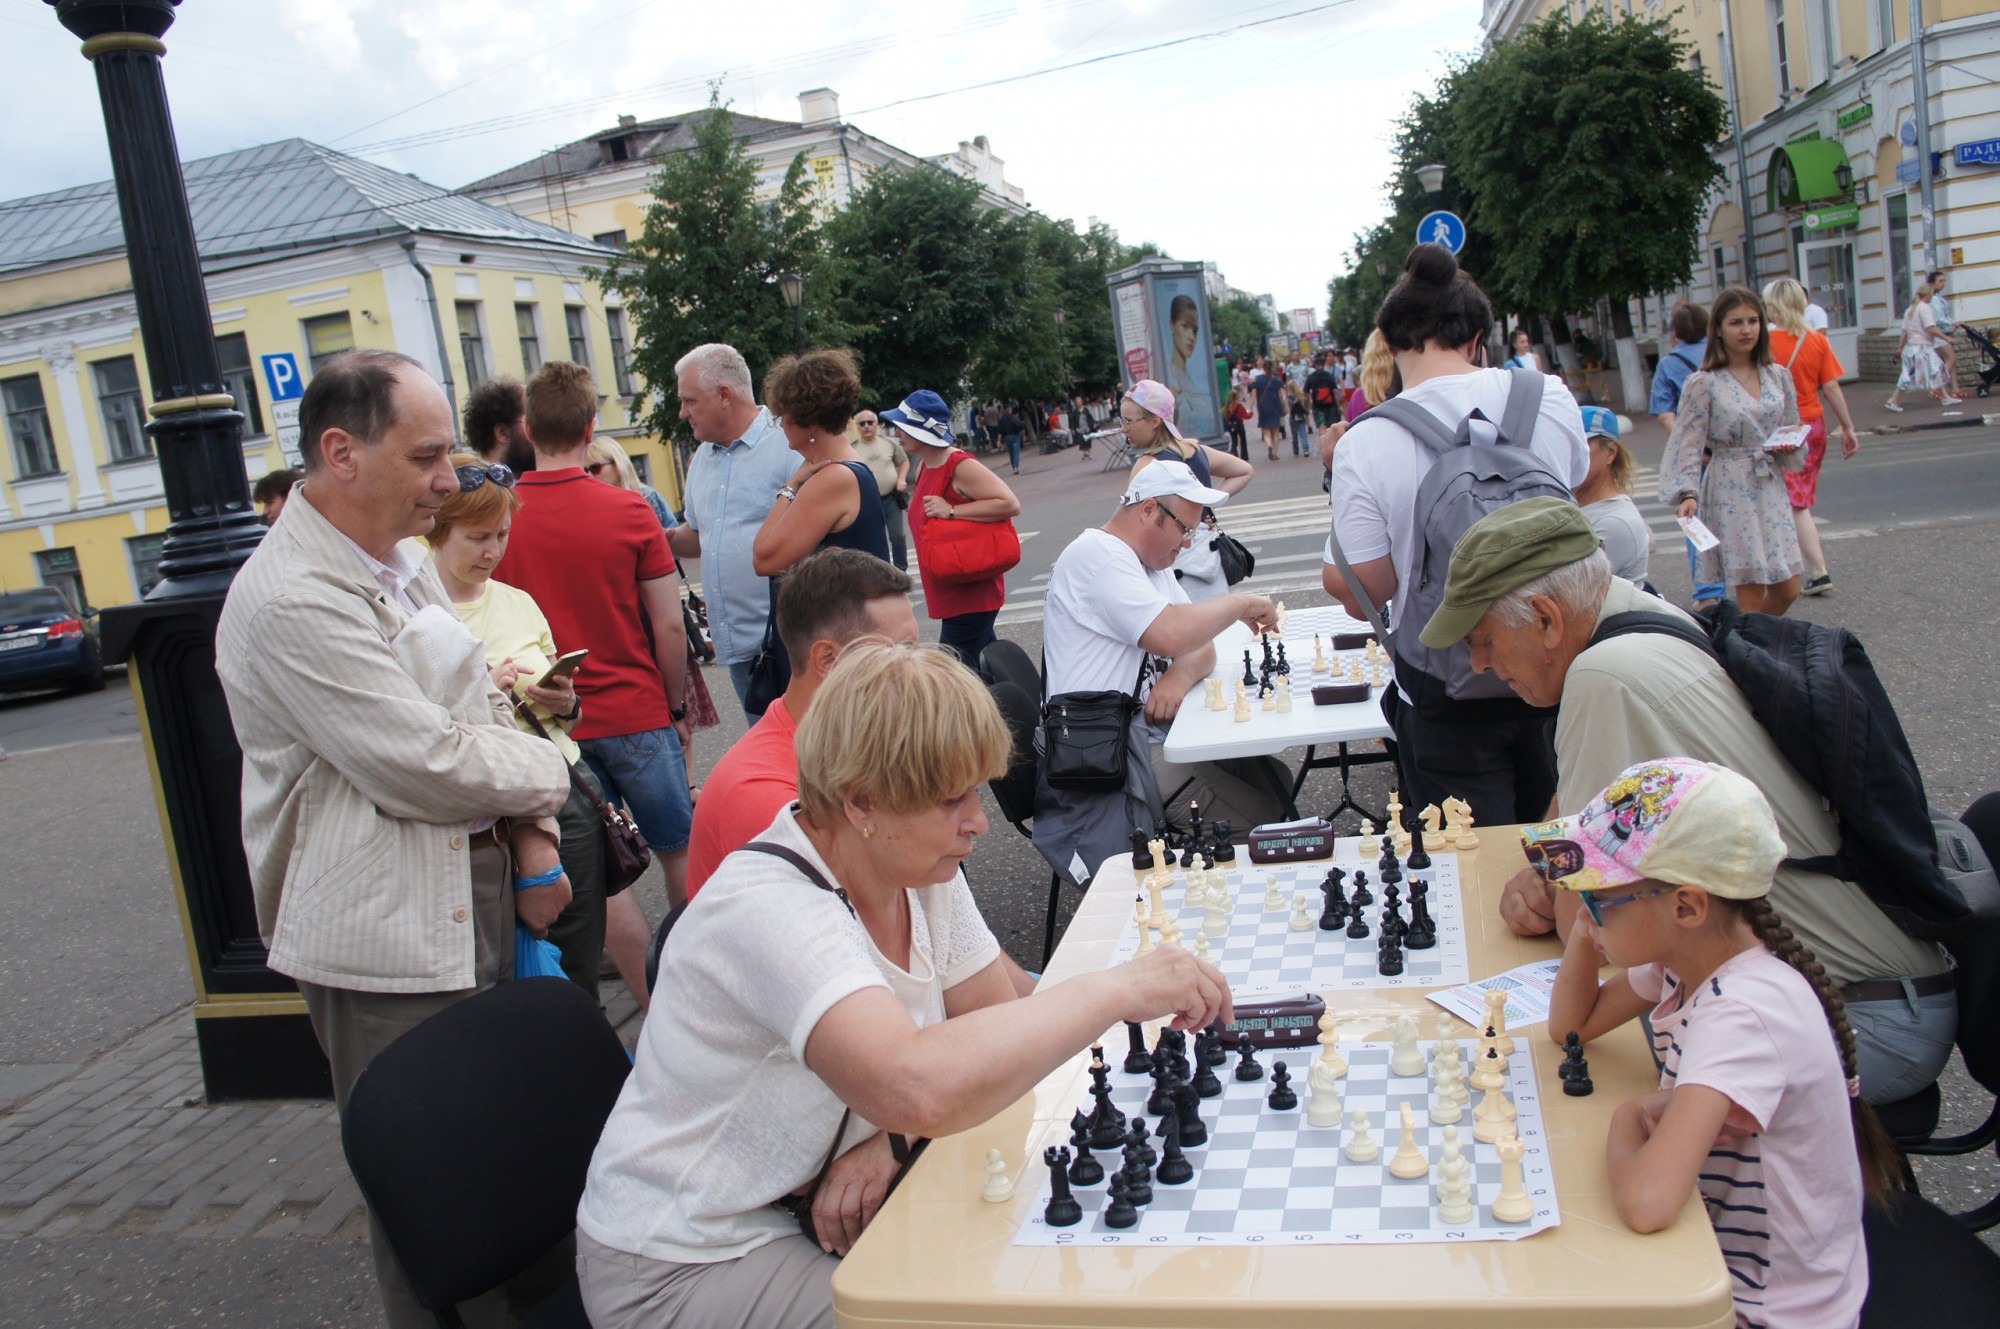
{"type": "Point", "coordinates": [1291, 1023]}
{"type": "Point", "coordinates": [1291, 841]}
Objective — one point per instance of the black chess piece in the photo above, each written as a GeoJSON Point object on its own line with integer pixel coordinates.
{"type": "Point", "coordinates": [1160, 1066]}
{"type": "Point", "coordinates": [1270, 661]}
{"type": "Point", "coordinates": [1357, 923]}
{"type": "Point", "coordinates": [1208, 1046]}
{"type": "Point", "coordinates": [1107, 1123]}
{"type": "Point", "coordinates": [1142, 853]}
{"type": "Point", "coordinates": [1138, 1176]}
{"type": "Point", "coordinates": [1177, 1058]}
{"type": "Point", "coordinates": [1284, 665]}
{"type": "Point", "coordinates": [1137, 1138]}
{"type": "Point", "coordinates": [1249, 674]}
{"type": "Point", "coordinates": [1575, 1070]}
{"type": "Point", "coordinates": [1282, 1098]}
{"type": "Point", "coordinates": [1422, 933]}
{"type": "Point", "coordinates": [1208, 1055]}
{"type": "Point", "coordinates": [1120, 1213]}
{"type": "Point", "coordinates": [1225, 847]}
{"type": "Point", "coordinates": [1062, 1209]}
{"type": "Point", "coordinates": [1362, 897]}
{"type": "Point", "coordinates": [1388, 858]}
{"type": "Point", "coordinates": [1193, 1131]}
{"type": "Point", "coordinates": [1086, 1170]}
{"type": "Point", "coordinates": [1247, 1067]}
{"type": "Point", "coordinates": [1419, 859]}
{"type": "Point", "coordinates": [1174, 1169]}
{"type": "Point", "coordinates": [1137, 1060]}
{"type": "Point", "coordinates": [1389, 961]}
{"type": "Point", "coordinates": [1335, 913]}
{"type": "Point", "coordinates": [1195, 823]}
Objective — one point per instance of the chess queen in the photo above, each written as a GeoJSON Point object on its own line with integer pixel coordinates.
{"type": "Point", "coordinates": [829, 1001]}
{"type": "Point", "coordinates": [1759, 1105]}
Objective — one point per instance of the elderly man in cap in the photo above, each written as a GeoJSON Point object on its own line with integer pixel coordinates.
{"type": "Point", "coordinates": [1527, 590]}
{"type": "Point", "coordinates": [1117, 620]}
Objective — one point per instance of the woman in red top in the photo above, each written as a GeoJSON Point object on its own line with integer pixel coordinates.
{"type": "Point", "coordinates": [1816, 375]}
{"type": "Point", "coordinates": [950, 485]}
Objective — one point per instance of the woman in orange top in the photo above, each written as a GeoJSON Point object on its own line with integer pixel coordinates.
{"type": "Point", "coordinates": [1816, 374]}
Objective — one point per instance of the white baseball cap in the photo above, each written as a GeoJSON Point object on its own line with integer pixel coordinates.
{"type": "Point", "coordinates": [1164, 478]}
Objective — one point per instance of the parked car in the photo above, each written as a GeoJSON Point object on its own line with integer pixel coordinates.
{"type": "Point", "coordinates": [45, 643]}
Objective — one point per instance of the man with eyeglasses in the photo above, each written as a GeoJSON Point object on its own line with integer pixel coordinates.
{"type": "Point", "coordinates": [1117, 620]}
{"type": "Point", "coordinates": [395, 820]}
{"type": "Point", "coordinates": [890, 466]}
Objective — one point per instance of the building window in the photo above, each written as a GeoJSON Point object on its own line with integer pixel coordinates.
{"type": "Point", "coordinates": [531, 338]}
{"type": "Point", "coordinates": [123, 409]}
{"type": "Point", "coordinates": [621, 359]}
{"type": "Point", "coordinates": [145, 553]}
{"type": "Point", "coordinates": [241, 380]}
{"type": "Point", "coordinates": [1779, 51]}
{"type": "Point", "coordinates": [1884, 15]}
{"type": "Point", "coordinates": [1901, 292]}
{"type": "Point", "coordinates": [59, 568]}
{"type": "Point", "coordinates": [472, 343]}
{"type": "Point", "coordinates": [327, 336]}
{"type": "Point", "coordinates": [642, 466]}
{"type": "Point", "coordinates": [1721, 261]}
{"type": "Point", "coordinates": [28, 426]}
{"type": "Point", "coordinates": [611, 239]}
{"type": "Point", "coordinates": [577, 324]}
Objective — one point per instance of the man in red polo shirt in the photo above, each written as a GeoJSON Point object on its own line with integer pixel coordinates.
{"type": "Point", "coordinates": [834, 597]}
{"type": "Point", "coordinates": [595, 560]}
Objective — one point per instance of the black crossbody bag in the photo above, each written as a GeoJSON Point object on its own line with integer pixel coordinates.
{"type": "Point", "coordinates": [1084, 735]}
{"type": "Point", "coordinates": [904, 1150]}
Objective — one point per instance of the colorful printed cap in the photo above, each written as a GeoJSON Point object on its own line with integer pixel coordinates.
{"type": "Point", "coordinates": [1689, 823]}
{"type": "Point", "coordinates": [1156, 398]}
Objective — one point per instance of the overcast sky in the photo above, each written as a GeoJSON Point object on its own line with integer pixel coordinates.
{"type": "Point", "coordinates": [1263, 149]}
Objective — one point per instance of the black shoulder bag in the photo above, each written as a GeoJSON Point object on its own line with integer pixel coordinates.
{"type": "Point", "coordinates": [1084, 735]}
{"type": "Point", "coordinates": [771, 670]}
{"type": "Point", "coordinates": [903, 1149]}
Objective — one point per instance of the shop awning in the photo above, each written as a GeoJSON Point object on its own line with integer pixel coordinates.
{"type": "Point", "coordinates": [1803, 172]}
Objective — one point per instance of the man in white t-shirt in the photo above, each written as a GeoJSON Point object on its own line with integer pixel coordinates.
{"type": "Point", "coordinates": [1117, 620]}
{"type": "Point", "coordinates": [1498, 756]}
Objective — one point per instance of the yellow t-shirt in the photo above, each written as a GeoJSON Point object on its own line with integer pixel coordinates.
{"type": "Point", "coordinates": [509, 625]}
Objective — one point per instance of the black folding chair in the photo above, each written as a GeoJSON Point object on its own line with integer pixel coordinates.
{"type": "Point", "coordinates": [1014, 791]}
{"type": "Point", "coordinates": [1924, 1268]}
{"type": "Point", "coordinates": [471, 1136]}
{"type": "Point", "coordinates": [1004, 661]}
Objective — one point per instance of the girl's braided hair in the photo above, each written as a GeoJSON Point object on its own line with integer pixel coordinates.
{"type": "Point", "coordinates": [1881, 1164]}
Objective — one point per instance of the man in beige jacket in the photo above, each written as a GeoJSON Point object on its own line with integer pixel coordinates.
{"type": "Point", "coordinates": [395, 820]}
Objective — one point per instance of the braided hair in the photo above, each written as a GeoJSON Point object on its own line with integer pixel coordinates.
{"type": "Point", "coordinates": [1881, 1165]}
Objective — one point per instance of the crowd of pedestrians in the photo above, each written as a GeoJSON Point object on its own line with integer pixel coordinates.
{"type": "Point", "coordinates": [456, 646]}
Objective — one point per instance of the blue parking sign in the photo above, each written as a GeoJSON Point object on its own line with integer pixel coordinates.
{"type": "Point", "coordinates": [281, 372]}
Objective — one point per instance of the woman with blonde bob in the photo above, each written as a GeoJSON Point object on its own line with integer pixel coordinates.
{"type": "Point", "coordinates": [834, 992]}
{"type": "Point", "coordinates": [1815, 375]}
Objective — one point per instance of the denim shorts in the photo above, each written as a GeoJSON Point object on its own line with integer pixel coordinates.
{"type": "Point", "coordinates": [647, 772]}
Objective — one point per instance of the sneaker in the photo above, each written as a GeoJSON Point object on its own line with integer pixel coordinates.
{"type": "Point", "coordinates": [1891, 406]}
{"type": "Point", "coordinates": [1818, 584]}
{"type": "Point", "coordinates": [1953, 401]}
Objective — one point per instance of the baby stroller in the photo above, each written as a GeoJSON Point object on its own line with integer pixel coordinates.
{"type": "Point", "coordinates": [1989, 357]}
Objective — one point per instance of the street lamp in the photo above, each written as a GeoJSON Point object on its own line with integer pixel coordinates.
{"type": "Point", "coordinates": [250, 1024]}
{"type": "Point", "coordinates": [1382, 268]}
{"type": "Point", "coordinates": [793, 288]}
{"type": "Point", "coordinates": [1062, 351]}
{"type": "Point", "coordinates": [1431, 177]}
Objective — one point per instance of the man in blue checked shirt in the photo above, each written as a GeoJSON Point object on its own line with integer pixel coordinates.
{"type": "Point", "coordinates": [1688, 325]}
{"type": "Point", "coordinates": [742, 463]}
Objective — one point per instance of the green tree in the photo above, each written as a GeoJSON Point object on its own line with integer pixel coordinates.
{"type": "Point", "coordinates": [705, 266]}
{"type": "Point", "coordinates": [1584, 148]}
{"type": "Point", "coordinates": [1240, 324]}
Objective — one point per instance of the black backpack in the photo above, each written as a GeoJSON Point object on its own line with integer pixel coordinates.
{"type": "Point", "coordinates": [1816, 693]}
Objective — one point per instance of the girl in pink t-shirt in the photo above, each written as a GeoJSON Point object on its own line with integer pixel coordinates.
{"type": "Point", "coordinates": [1758, 1107]}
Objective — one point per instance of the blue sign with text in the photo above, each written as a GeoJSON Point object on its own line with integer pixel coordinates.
{"type": "Point", "coordinates": [1986, 152]}
{"type": "Point", "coordinates": [282, 373]}
{"type": "Point", "coordinates": [1442, 228]}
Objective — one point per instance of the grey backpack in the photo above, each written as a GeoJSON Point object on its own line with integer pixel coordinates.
{"type": "Point", "coordinates": [1480, 469]}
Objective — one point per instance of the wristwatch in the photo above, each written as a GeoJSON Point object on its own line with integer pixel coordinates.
{"type": "Point", "coordinates": [679, 713]}
{"type": "Point", "coordinates": [788, 493]}
{"type": "Point", "coordinates": [950, 511]}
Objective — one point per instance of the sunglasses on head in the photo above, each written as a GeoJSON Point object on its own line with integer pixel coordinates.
{"type": "Point", "coordinates": [1597, 905]}
{"type": "Point", "coordinates": [471, 477]}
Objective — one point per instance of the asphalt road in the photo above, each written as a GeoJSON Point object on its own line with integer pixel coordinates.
{"type": "Point", "coordinates": [97, 951]}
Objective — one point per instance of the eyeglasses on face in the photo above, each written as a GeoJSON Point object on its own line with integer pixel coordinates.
{"type": "Point", "coordinates": [1597, 905]}
{"type": "Point", "coordinates": [471, 477]}
{"type": "Point", "coordinates": [594, 467]}
{"type": "Point", "coordinates": [1187, 531]}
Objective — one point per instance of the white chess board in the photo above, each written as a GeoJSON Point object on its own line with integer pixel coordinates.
{"type": "Point", "coordinates": [1267, 1178]}
{"type": "Point", "coordinates": [1261, 956]}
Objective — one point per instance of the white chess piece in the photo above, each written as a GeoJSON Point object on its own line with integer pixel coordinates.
{"type": "Point", "coordinates": [1371, 843]}
{"type": "Point", "coordinates": [1408, 1058]}
{"type": "Point", "coordinates": [1354, 670]}
{"type": "Point", "coordinates": [1242, 704]}
{"type": "Point", "coordinates": [1284, 695]}
{"type": "Point", "coordinates": [1154, 885]}
{"type": "Point", "coordinates": [1215, 915]}
{"type": "Point", "coordinates": [1487, 1074]}
{"type": "Point", "coordinates": [1512, 1205]}
{"type": "Point", "coordinates": [1274, 899]}
{"type": "Point", "coordinates": [1496, 1004]}
{"type": "Point", "coordinates": [1467, 841]}
{"type": "Point", "coordinates": [1302, 915]}
{"type": "Point", "coordinates": [1212, 693]}
{"type": "Point", "coordinates": [1144, 921]}
{"type": "Point", "coordinates": [1444, 1106]}
{"type": "Point", "coordinates": [1454, 1181]}
{"type": "Point", "coordinates": [1197, 883]}
{"type": "Point", "coordinates": [1329, 1047]}
{"type": "Point", "coordinates": [999, 1187]}
{"type": "Point", "coordinates": [1323, 1108]}
{"type": "Point", "coordinates": [1319, 655]}
{"type": "Point", "coordinates": [1270, 699]}
{"type": "Point", "coordinates": [1201, 947]}
{"type": "Point", "coordinates": [1433, 837]}
{"type": "Point", "coordinates": [1490, 1121]}
{"type": "Point", "coordinates": [1409, 1162]}
{"type": "Point", "coordinates": [1361, 1146]}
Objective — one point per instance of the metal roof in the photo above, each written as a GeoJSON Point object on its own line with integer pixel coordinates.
{"type": "Point", "coordinates": [278, 196]}
{"type": "Point", "coordinates": [644, 140]}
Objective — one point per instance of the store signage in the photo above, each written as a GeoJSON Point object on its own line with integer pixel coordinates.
{"type": "Point", "coordinates": [1841, 214]}
{"type": "Point", "coordinates": [1855, 115]}
{"type": "Point", "coordinates": [1986, 152]}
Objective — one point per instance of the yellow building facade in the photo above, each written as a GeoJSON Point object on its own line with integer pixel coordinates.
{"type": "Point", "coordinates": [306, 253]}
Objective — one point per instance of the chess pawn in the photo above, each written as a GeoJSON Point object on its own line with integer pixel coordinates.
{"type": "Point", "coordinates": [1354, 672]}
{"type": "Point", "coordinates": [999, 1187]}
{"type": "Point", "coordinates": [1274, 899]}
{"type": "Point", "coordinates": [1212, 690]}
{"type": "Point", "coordinates": [1201, 946]}
{"type": "Point", "coordinates": [1197, 880]}
{"type": "Point", "coordinates": [1444, 1106]}
{"type": "Point", "coordinates": [1170, 935]}
{"type": "Point", "coordinates": [1323, 1108]}
{"type": "Point", "coordinates": [1329, 1047]}
{"type": "Point", "coordinates": [1284, 696]}
{"type": "Point", "coordinates": [1270, 698]}
{"type": "Point", "coordinates": [1454, 1181]}
{"type": "Point", "coordinates": [1513, 1204]}
{"type": "Point", "coordinates": [1302, 914]}
{"type": "Point", "coordinates": [1409, 1162]}
{"type": "Point", "coordinates": [1361, 1146]}
{"type": "Point", "coordinates": [1371, 844]}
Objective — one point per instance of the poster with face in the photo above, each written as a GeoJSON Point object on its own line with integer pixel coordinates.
{"type": "Point", "coordinates": [1186, 354]}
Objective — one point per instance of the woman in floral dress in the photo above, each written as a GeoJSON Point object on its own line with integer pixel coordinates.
{"type": "Point", "coordinates": [1737, 400]}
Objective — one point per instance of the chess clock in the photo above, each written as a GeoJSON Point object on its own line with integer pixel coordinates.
{"type": "Point", "coordinates": [1290, 1023]}
{"type": "Point", "coordinates": [1291, 841]}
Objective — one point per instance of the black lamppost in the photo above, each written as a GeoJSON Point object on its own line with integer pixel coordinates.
{"type": "Point", "coordinates": [793, 288]}
{"type": "Point", "coordinates": [1062, 353]}
{"type": "Point", "coordinates": [250, 1024]}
